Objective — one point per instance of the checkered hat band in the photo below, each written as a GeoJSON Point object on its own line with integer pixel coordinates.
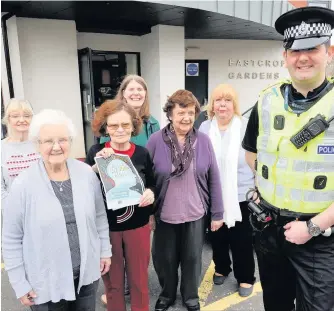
{"type": "Point", "coordinates": [307, 30]}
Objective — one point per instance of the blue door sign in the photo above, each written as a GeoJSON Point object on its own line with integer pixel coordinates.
{"type": "Point", "coordinates": [192, 69]}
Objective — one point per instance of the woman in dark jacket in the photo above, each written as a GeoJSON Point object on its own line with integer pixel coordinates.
{"type": "Point", "coordinates": [188, 186]}
{"type": "Point", "coordinates": [129, 226]}
{"type": "Point", "coordinates": [133, 90]}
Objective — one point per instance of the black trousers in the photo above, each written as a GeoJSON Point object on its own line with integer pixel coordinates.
{"type": "Point", "coordinates": [289, 271]}
{"type": "Point", "coordinates": [174, 245]}
{"type": "Point", "coordinates": [239, 240]}
{"type": "Point", "coordinates": [85, 300]}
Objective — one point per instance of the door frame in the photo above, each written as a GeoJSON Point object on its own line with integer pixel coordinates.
{"type": "Point", "coordinates": [118, 52]}
{"type": "Point", "coordinates": [91, 52]}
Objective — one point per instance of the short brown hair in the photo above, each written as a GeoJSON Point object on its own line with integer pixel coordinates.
{"type": "Point", "coordinates": [110, 107]}
{"type": "Point", "coordinates": [184, 98]}
{"type": "Point", "coordinates": [225, 91]}
{"type": "Point", "coordinates": [144, 111]}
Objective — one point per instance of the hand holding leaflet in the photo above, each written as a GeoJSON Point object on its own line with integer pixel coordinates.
{"type": "Point", "coordinates": [121, 181]}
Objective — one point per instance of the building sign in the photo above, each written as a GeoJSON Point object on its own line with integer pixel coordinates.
{"type": "Point", "coordinates": [253, 69]}
{"type": "Point", "coordinates": [192, 69]}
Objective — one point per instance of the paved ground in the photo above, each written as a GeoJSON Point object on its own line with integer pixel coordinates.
{"type": "Point", "coordinates": [213, 298]}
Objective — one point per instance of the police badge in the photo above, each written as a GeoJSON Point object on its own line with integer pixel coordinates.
{"type": "Point", "coordinates": [303, 29]}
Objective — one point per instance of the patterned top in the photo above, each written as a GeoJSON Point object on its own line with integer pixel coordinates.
{"type": "Point", "coordinates": [15, 158]}
{"type": "Point", "coordinates": [63, 191]}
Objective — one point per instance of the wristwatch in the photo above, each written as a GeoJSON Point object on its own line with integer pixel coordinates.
{"type": "Point", "coordinates": [313, 229]}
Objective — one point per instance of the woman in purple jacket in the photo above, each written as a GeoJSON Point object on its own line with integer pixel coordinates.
{"type": "Point", "coordinates": [188, 187]}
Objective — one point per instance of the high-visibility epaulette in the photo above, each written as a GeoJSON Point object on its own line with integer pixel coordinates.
{"type": "Point", "coordinates": [275, 85]}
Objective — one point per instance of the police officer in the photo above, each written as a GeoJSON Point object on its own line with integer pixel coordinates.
{"type": "Point", "coordinates": [295, 173]}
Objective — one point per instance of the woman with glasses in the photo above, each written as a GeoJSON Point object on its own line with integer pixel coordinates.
{"type": "Point", "coordinates": [55, 234]}
{"type": "Point", "coordinates": [133, 90]}
{"type": "Point", "coordinates": [17, 152]}
{"type": "Point", "coordinates": [129, 226]}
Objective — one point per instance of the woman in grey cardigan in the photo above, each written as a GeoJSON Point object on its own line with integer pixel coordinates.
{"type": "Point", "coordinates": [55, 235]}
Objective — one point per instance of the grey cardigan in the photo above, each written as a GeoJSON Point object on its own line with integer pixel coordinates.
{"type": "Point", "coordinates": [35, 243]}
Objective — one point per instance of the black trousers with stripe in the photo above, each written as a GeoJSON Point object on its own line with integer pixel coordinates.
{"type": "Point", "coordinates": [290, 272]}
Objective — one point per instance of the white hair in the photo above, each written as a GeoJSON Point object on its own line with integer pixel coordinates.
{"type": "Point", "coordinates": [47, 117]}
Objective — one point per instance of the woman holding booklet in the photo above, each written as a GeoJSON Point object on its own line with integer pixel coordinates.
{"type": "Point", "coordinates": [128, 226]}
{"type": "Point", "coordinates": [133, 90]}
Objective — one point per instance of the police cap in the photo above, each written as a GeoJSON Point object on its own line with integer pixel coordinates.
{"type": "Point", "coordinates": [305, 28]}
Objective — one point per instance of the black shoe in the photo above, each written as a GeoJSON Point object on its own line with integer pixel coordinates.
{"type": "Point", "coordinates": [245, 292]}
{"type": "Point", "coordinates": [194, 308]}
{"type": "Point", "coordinates": [162, 306]}
{"type": "Point", "coordinates": [219, 279]}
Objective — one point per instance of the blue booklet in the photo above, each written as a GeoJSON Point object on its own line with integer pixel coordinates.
{"type": "Point", "coordinates": [121, 181]}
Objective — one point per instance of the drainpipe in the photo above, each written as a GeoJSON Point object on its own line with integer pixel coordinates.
{"type": "Point", "coordinates": [4, 18]}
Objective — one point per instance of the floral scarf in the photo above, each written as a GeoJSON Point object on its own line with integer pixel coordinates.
{"type": "Point", "coordinates": [181, 159]}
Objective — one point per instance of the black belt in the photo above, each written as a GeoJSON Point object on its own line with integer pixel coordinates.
{"type": "Point", "coordinates": [282, 216]}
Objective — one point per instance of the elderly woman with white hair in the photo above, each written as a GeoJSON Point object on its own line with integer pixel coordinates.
{"type": "Point", "coordinates": [56, 235]}
{"type": "Point", "coordinates": [17, 152]}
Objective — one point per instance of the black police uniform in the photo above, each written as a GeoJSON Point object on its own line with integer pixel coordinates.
{"type": "Point", "coordinates": [290, 272]}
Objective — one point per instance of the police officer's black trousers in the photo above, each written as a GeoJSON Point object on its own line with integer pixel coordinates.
{"type": "Point", "coordinates": [239, 240]}
{"type": "Point", "coordinates": [289, 271]}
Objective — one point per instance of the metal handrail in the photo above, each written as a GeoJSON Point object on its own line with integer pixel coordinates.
{"type": "Point", "coordinates": [249, 109]}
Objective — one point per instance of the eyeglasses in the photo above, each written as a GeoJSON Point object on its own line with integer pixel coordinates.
{"type": "Point", "coordinates": [114, 127]}
{"type": "Point", "coordinates": [18, 116]}
{"type": "Point", "coordinates": [50, 142]}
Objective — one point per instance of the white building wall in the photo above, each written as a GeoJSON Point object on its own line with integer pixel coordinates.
{"type": "Point", "coordinates": [150, 70]}
{"type": "Point", "coordinates": [265, 60]}
{"type": "Point", "coordinates": [48, 54]}
{"type": "Point", "coordinates": [108, 42]}
{"type": "Point", "coordinates": [171, 59]}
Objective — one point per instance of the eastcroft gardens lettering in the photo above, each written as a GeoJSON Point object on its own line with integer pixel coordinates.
{"type": "Point", "coordinates": [255, 66]}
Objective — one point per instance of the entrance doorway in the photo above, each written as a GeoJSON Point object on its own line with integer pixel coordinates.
{"type": "Point", "coordinates": [196, 79]}
{"type": "Point", "coordinates": [101, 73]}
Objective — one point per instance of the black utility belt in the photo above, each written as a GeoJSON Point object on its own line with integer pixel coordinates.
{"type": "Point", "coordinates": [281, 216]}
